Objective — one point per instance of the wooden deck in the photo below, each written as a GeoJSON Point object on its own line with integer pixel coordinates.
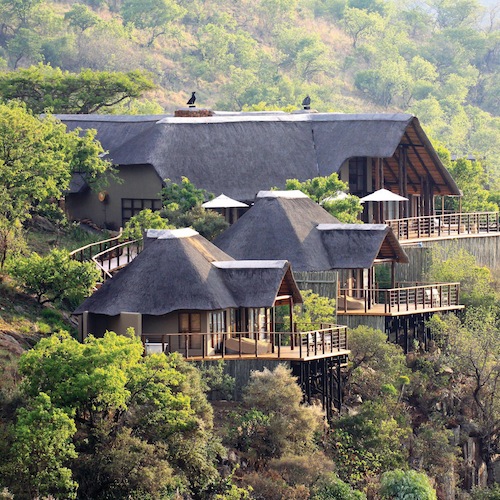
{"type": "Point", "coordinates": [438, 227]}
{"type": "Point", "coordinates": [325, 342]}
{"type": "Point", "coordinates": [407, 298]}
{"type": "Point", "coordinates": [286, 355]}
{"type": "Point", "coordinates": [380, 310]}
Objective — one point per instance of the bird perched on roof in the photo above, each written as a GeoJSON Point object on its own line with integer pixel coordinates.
{"type": "Point", "coordinates": [307, 102]}
{"type": "Point", "coordinates": [192, 100]}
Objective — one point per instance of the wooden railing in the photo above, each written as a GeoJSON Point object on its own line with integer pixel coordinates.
{"type": "Point", "coordinates": [117, 256]}
{"type": "Point", "coordinates": [406, 297]}
{"type": "Point", "coordinates": [327, 340]}
{"type": "Point", "coordinates": [452, 224]}
{"type": "Point", "coordinates": [88, 251]}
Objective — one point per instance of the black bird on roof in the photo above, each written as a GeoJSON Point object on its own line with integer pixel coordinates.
{"type": "Point", "coordinates": [192, 100]}
{"type": "Point", "coordinates": [307, 102]}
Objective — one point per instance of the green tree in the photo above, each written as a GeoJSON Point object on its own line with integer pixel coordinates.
{"type": "Point", "coordinates": [284, 424]}
{"type": "Point", "coordinates": [331, 487]}
{"type": "Point", "coordinates": [368, 443]}
{"type": "Point", "coordinates": [81, 17]}
{"type": "Point", "coordinates": [471, 178]}
{"type": "Point", "coordinates": [41, 446]}
{"type": "Point", "coordinates": [55, 277]}
{"type": "Point", "coordinates": [45, 88]}
{"type": "Point", "coordinates": [406, 485]}
{"type": "Point", "coordinates": [457, 265]}
{"type": "Point", "coordinates": [472, 348]}
{"type": "Point", "coordinates": [151, 15]}
{"type": "Point", "coordinates": [144, 220]}
{"type": "Point", "coordinates": [326, 190]}
{"type": "Point", "coordinates": [374, 363]}
{"type": "Point", "coordinates": [182, 208]}
{"type": "Point", "coordinates": [25, 45]}
{"type": "Point", "coordinates": [360, 24]}
{"type": "Point", "coordinates": [108, 386]}
{"type": "Point", "coordinates": [183, 196]}
{"type": "Point", "coordinates": [313, 311]}
{"type": "Point", "coordinates": [37, 158]}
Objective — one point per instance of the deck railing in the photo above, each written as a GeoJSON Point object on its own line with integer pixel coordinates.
{"type": "Point", "coordinates": [451, 224]}
{"type": "Point", "coordinates": [88, 251]}
{"type": "Point", "coordinates": [329, 339]}
{"type": "Point", "coordinates": [413, 297]}
{"type": "Point", "coordinates": [117, 256]}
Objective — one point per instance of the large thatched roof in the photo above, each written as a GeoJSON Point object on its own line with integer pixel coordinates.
{"type": "Point", "coordinates": [281, 226]}
{"type": "Point", "coordinates": [181, 270]}
{"type": "Point", "coordinates": [243, 153]}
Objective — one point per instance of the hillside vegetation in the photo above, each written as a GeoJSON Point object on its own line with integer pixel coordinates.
{"type": "Point", "coordinates": [438, 59]}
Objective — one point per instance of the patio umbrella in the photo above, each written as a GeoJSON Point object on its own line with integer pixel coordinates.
{"type": "Point", "coordinates": [382, 195]}
{"type": "Point", "coordinates": [223, 201]}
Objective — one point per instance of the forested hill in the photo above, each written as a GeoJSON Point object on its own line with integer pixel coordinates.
{"type": "Point", "coordinates": [438, 59]}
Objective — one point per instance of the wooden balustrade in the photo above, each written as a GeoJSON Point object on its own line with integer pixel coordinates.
{"type": "Point", "coordinates": [451, 224]}
{"type": "Point", "coordinates": [327, 340]}
{"type": "Point", "coordinates": [86, 252]}
{"type": "Point", "coordinates": [406, 297]}
{"type": "Point", "coordinates": [117, 256]}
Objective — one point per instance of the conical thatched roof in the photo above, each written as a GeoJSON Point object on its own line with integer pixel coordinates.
{"type": "Point", "coordinates": [283, 226]}
{"type": "Point", "coordinates": [279, 226]}
{"type": "Point", "coordinates": [181, 270]}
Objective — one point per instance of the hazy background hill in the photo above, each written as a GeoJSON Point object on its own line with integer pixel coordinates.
{"type": "Point", "coordinates": [438, 59]}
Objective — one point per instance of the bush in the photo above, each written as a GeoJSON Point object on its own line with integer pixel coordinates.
{"type": "Point", "coordinates": [55, 277]}
{"type": "Point", "coordinates": [406, 485]}
{"type": "Point", "coordinates": [291, 427]}
{"type": "Point", "coordinates": [331, 487]}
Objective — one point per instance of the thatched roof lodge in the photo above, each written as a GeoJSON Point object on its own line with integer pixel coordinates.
{"type": "Point", "coordinates": [241, 154]}
{"type": "Point", "coordinates": [183, 284]}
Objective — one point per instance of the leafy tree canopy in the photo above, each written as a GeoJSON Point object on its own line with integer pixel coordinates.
{"type": "Point", "coordinates": [407, 485]}
{"type": "Point", "coordinates": [44, 88]}
{"type": "Point", "coordinates": [37, 159]}
{"type": "Point", "coordinates": [143, 424]}
{"type": "Point", "coordinates": [330, 192]}
{"type": "Point", "coordinates": [55, 277]}
{"type": "Point", "coordinates": [144, 220]}
{"type": "Point", "coordinates": [182, 208]}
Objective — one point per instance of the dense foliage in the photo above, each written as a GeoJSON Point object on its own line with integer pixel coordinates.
{"type": "Point", "coordinates": [100, 417]}
{"type": "Point", "coordinates": [55, 277]}
{"type": "Point", "coordinates": [37, 159]}
{"type": "Point", "coordinates": [43, 88]}
{"type": "Point", "coordinates": [436, 59]}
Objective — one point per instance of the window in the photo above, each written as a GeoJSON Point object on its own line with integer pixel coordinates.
{"type": "Point", "coordinates": [357, 176]}
{"type": "Point", "coordinates": [132, 206]}
{"type": "Point", "coordinates": [217, 325]}
{"type": "Point", "coordinates": [191, 323]}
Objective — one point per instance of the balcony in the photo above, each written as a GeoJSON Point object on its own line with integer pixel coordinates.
{"type": "Point", "coordinates": [326, 341]}
{"type": "Point", "coordinates": [407, 298]}
{"type": "Point", "coordinates": [446, 225]}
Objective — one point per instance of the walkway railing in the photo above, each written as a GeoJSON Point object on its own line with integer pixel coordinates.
{"type": "Point", "coordinates": [406, 297]}
{"type": "Point", "coordinates": [453, 224]}
{"type": "Point", "coordinates": [327, 340]}
{"type": "Point", "coordinates": [88, 251]}
{"type": "Point", "coordinates": [117, 256]}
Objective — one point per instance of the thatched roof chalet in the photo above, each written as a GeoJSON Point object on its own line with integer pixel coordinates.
{"type": "Point", "coordinates": [180, 270]}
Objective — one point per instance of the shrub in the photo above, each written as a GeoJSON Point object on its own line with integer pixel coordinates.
{"type": "Point", "coordinates": [406, 485]}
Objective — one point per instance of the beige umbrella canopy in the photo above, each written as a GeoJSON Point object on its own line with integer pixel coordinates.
{"type": "Point", "coordinates": [223, 201]}
{"type": "Point", "coordinates": [381, 196]}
